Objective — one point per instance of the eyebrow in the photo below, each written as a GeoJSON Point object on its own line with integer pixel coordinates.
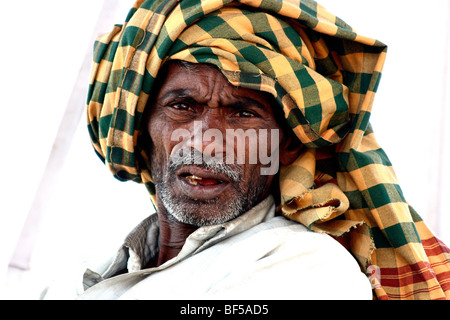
{"type": "Point", "coordinates": [187, 94]}
{"type": "Point", "coordinates": [245, 101]}
{"type": "Point", "coordinates": [177, 93]}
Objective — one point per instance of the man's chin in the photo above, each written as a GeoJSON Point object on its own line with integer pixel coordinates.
{"type": "Point", "coordinates": [203, 213]}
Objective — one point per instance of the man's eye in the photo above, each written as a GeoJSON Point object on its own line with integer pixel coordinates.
{"type": "Point", "coordinates": [181, 107]}
{"type": "Point", "coordinates": [245, 114]}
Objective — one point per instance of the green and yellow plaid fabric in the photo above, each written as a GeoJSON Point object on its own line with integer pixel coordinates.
{"type": "Point", "coordinates": [324, 76]}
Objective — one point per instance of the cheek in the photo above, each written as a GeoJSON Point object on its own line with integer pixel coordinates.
{"type": "Point", "coordinates": [159, 148]}
{"type": "Point", "coordinates": [159, 132]}
{"type": "Point", "coordinates": [253, 177]}
{"type": "Point", "coordinates": [255, 186]}
{"type": "Point", "coordinates": [270, 139]}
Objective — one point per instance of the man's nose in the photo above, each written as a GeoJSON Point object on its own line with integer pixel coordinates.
{"type": "Point", "coordinates": [208, 132]}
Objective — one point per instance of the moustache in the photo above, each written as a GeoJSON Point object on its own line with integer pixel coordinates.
{"type": "Point", "coordinates": [233, 171]}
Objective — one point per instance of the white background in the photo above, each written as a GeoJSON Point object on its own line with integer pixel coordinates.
{"type": "Point", "coordinates": [43, 44]}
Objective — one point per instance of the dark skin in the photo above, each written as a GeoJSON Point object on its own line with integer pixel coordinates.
{"type": "Point", "coordinates": [204, 95]}
{"type": "Point", "coordinates": [172, 236]}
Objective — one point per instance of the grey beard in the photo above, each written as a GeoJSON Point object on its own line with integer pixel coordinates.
{"type": "Point", "coordinates": [189, 211]}
{"type": "Point", "coordinates": [183, 212]}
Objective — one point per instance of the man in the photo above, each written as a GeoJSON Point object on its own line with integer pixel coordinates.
{"type": "Point", "coordinates": [216, 233]}
{"type": "Point", "coordinates": [307, 79]}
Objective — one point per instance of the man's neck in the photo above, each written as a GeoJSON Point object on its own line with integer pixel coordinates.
{"type": "Point", "coordinates": [172, 236]}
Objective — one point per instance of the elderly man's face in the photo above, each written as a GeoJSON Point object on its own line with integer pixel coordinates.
{"type": "Point", "coordinates": [195, 100]}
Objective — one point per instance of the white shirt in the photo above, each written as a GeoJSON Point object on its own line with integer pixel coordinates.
{"type": "Point", "coordinates": [255, 256]}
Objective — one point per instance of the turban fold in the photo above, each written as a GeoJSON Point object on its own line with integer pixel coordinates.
{"type": "Point", "coordinates": [324, 76]}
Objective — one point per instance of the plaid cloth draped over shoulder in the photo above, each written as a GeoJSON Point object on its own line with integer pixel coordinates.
{"type": "Point", "coordinates": [324, 76]}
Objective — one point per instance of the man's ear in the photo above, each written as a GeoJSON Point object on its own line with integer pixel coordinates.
{"type": "Point", "coordinates": [290, 148]}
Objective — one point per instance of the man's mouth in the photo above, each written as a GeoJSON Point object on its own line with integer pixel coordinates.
{"type": "Point", "coordinates": [196, 180]}
{"type": "Point", "coordinates": [199, 183]}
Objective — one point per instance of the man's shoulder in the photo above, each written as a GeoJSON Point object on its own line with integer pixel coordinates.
{"type": "Point", "coordinates": [286, 230]}
{"type": "Point", "coordinates": [292, 238]}
{"type": "Point", "coordinates": [283, 222]}
{"type": "Point", "coordinates": [280, 237]}
{"type": "Point", "coordinates": [285, 259]}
